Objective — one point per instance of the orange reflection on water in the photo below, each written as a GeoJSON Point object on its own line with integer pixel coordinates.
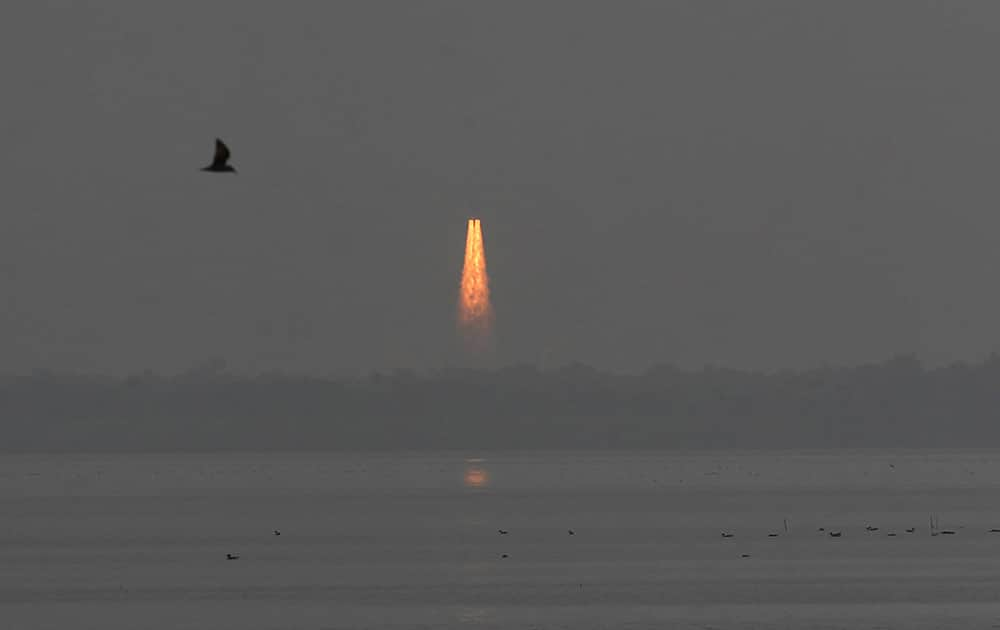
{"type": "Point", "coordinates": [476, 476]}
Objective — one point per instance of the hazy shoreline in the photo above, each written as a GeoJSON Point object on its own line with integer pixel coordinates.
{"type": "Point", "coordinates": [895, 404]}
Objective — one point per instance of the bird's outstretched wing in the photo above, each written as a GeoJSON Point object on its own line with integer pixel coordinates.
{"type": "Point", "coordinates": [221, 153]}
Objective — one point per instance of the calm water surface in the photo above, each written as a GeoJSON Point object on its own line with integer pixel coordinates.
{"type": "Point", "coordinates": [411, 541]}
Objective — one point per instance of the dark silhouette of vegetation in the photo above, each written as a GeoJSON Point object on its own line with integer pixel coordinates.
{"type": "Point", "coordinates": [897, 403]}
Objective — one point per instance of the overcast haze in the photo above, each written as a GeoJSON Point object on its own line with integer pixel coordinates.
{"type": "Point", "coordinates": [759, 185]}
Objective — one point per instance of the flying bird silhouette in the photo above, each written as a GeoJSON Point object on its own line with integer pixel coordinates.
{"type": "Point", "coordinates": [219, 161]}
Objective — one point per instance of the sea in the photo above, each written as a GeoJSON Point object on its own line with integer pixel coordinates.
{"type": "Point", "coordinates": [575, 540]}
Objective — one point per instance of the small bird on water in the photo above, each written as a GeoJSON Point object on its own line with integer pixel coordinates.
{"type": "Point", "coordinates": [220, 160]}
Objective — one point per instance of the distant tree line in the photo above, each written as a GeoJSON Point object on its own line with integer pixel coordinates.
{"type": "Point", "coordinates": [897, 403]}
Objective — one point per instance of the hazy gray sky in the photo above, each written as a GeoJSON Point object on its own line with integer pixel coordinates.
{"type": "Point", "coordinates": [757, 184]}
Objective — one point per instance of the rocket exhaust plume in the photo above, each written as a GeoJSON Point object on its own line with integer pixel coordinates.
{"type": "Point", "coordinates": [475, 313]}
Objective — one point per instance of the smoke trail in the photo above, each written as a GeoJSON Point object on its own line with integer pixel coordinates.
{"type": "Point", "coordinates": [475, 313]}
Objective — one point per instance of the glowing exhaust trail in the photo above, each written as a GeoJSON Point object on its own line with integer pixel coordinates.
{"type": "Point", "coordinates": [475, 313]}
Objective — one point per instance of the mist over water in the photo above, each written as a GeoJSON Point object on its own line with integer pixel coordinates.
{"type": "Point", "coordinates": [407, 540]}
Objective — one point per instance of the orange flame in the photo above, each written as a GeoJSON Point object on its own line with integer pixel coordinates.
{"type": "Point", "coordinates": [475, 313]}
